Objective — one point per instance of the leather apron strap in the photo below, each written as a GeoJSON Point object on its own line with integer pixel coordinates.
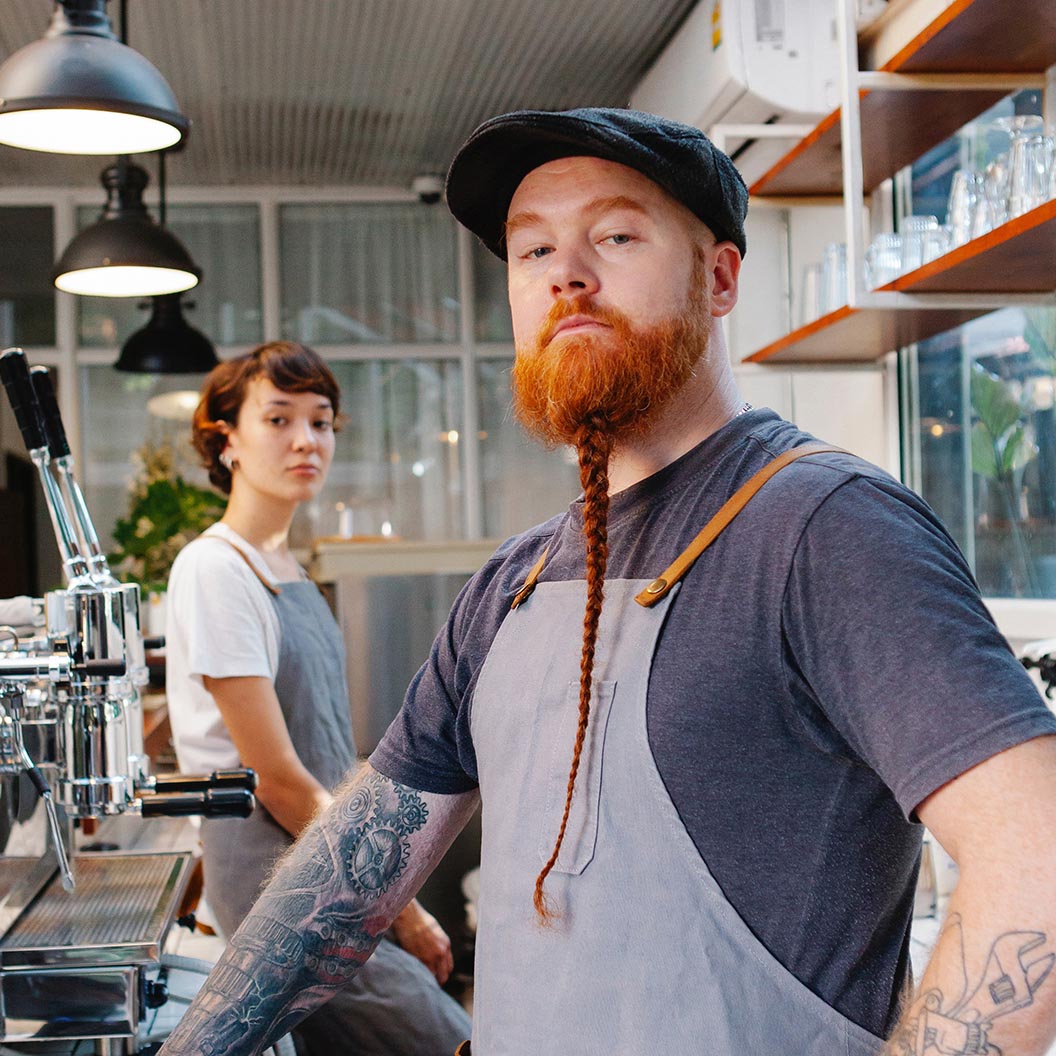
{"type": "Point", "coordinates": [721, 521]}
{"type": "Point", "coordinates": [530, 580]}
{"type": "Point", "coordinates": [710, 532]}
{"type": "Point", "coordinates": [269, 587]}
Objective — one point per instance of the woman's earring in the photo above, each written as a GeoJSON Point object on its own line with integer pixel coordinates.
{"type": "Point", "coordinates": [227, 462]}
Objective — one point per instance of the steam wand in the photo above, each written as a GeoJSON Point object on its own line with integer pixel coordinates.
{"type": "Point", "coordinates": [44, 791]}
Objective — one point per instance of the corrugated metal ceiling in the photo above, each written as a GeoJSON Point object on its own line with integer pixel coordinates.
{"type": "Point", "coordinates": [357, 92]}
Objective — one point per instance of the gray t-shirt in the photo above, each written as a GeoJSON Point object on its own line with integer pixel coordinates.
{"type": "Point", "coordinates": [827, 664]}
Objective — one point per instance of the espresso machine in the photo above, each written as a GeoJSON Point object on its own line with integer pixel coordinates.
{"type": "Point", "coordinates": [81, 935]}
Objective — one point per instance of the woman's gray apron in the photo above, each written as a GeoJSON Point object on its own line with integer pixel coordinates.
{"type": "Point", "coordinates": [648, 955]}
{"type": "Point", "coordinates": [394, 1006]}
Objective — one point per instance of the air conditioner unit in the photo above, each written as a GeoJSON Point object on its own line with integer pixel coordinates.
{"type": "Point", "coordinates": [748, 62]}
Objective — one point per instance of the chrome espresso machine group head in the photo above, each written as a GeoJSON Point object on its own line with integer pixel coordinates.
{"type": "Point", "coordinates": [71, 715]}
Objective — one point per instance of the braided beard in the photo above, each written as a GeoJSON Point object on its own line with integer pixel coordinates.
{"type": "Point", "coordinates": [594, 390]}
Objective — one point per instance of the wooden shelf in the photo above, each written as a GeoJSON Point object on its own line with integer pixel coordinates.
{"type": "Point", "coordinates": [1017, 257]}
{"type": "Point", "coordinates": [970, 36]}
{"type": "Point", "coordinates": [983, 36]}
{"type": "Point", "coordinates": [861, 335]}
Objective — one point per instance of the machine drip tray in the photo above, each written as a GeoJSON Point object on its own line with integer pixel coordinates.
{"type": "Point", "coordinates": [72, 963]}
{"type": "Point", "coordinates": [119, 912]}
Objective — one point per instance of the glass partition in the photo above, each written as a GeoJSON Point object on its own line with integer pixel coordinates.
{"type": "Point", "coordinates": [981, 397]}
{"type": "Point", "coordinates": [493, 321]}
{"type": "Point", "coordinates": [27, 297]}
{"type": "Point", "coordinates": [986, 422]}
{"type": "Point", "coordinates": [368, 273]}
{"type": "Point", "coordinates": [397, 470]}
{"type": "Point", "coordinates": [523, 482]}
{"type": "Point", "coordinates": [130, 430]}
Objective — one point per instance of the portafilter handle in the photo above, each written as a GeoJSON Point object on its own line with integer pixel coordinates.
{"type": "Point", "coordinates": [213, 803]}
{"type": "Point", "coordinates": [218, 779]}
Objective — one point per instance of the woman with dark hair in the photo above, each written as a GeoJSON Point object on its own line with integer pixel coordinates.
{"type": "Point", "coordinates": [256, 677]}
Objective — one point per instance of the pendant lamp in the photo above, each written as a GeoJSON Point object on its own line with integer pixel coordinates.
{"type": "Point", "coordinates": [79, 90]}
{"type": "Point", "coordinates": [168, 344]}
{"type": "Point", "coordinates": [125, 253]}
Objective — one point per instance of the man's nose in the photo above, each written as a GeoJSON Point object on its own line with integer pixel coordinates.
{"type": "Point", "coordinates": [572, 275]}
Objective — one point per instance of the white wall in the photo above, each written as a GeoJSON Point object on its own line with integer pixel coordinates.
{"type": "Point", "coordinates": [855, 407]}
{"type": "Point", "coordinates": [852, 407]}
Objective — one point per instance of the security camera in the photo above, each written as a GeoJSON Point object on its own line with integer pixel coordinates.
{"type": "Point", "coordinates": [428, 188]}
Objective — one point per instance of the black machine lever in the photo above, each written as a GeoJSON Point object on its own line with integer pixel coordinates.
{"type": "Point", "coordinates": [214, 803]}
{"type": "Point", "coordinates": [101, 668]}
{"type": "Point", "coordinates": [50, 417]}
{"type": "Point", "coordinates": [218, 779]}
{"type": "Point", "coordinates": [1046, 666]}
{"type": "Point", "coordinates": [59, 666]}
{"type": "Point", "coordinates": [15, 375]}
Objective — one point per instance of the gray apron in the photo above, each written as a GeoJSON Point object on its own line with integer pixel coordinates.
{"type": "Point", "coordinates": [394, 1006]}
{"type": "Point", "coordinates": [648, 955]}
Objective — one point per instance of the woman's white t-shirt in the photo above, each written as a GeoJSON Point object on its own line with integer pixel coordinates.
{"type": "Point", "coordinates": [221, 622]}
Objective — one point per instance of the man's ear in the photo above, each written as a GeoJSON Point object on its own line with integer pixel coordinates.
{"type": "Point", "coordinates": [725, 269]}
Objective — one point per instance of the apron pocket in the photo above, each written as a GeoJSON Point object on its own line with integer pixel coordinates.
{"type": "Point", "coordinates": [581, 835]}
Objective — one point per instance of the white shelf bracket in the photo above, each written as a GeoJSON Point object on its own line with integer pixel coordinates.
{"type": "Point", "coordinates": [721, 134]}
{"type": "Point", "coordinates": [851, 149]}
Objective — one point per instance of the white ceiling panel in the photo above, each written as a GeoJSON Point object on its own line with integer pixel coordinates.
{"type": "Point", "coordinates": [356, 92]}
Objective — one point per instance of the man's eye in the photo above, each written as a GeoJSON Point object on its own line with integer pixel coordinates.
{"type": "Point", "coordinates": [618, 239]}
{"type": "Point", "coordinates": [537, 252]}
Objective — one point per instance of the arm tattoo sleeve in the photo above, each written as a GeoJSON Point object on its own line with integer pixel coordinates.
{"type": "Point", "coordinates": [959, 1024]}
{"type": "Point", "coordinates": [326, 908]}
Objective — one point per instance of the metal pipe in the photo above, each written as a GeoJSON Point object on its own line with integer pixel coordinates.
{"type": "Point", "coordinates": [851, 149]}
{"type": "Point", "coordinates": [62, 460]}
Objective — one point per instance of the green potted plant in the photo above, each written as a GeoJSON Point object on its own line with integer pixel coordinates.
{"type": "Point", "coordinates": [164, 514]}
{"type": "Point", "coordinates": [1001, 449]}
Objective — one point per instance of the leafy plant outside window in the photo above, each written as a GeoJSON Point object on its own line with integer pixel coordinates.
{"type": "Point", "coordinates": [165, 513]}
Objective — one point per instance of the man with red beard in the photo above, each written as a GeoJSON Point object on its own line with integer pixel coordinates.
{"type": "Point", "coordinates": [703, 710]}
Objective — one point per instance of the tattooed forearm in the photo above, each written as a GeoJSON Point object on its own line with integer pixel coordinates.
{"type": "Point", "coordinates": [316, 923]}
{"type": "Point", "coordinates": [961, 1023]}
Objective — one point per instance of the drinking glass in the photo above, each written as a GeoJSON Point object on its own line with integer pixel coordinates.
{"type": "Point", "coordinates": [810, 295]}
{"type": "Point", "coordinates": [965, 191]}
{"type": "Point", "coordinates": [995, 191]}
{"type": "Point", "coordinates": [1048, 162]}
{"type": "Point", "coordinates": [1024, 183]}
{"type": "Point", "coordinates": [1026, 174]}
{"type": "Point", "coordinates": [1020, 124]}
{"type": "Point", "coordinates": [919, 235]}
{"type": "Point", "coordinates": [883, 260]}
{"type": "Point", "coordinates": [833, 277]}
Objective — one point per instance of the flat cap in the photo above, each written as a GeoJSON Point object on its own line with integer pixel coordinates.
{"type": "Point", "coordinates": [490, 165]}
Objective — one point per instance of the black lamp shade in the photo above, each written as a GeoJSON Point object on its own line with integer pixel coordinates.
{"type": "Point", "coordinates": [125, 253]}
{"type": "Point", "coordinates": [81, 91]}
{"type": "Point", "coordinates": [168, 344]}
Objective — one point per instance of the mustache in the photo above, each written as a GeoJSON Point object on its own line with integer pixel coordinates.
{"type": "Point", "coordinates": [583, 305]}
